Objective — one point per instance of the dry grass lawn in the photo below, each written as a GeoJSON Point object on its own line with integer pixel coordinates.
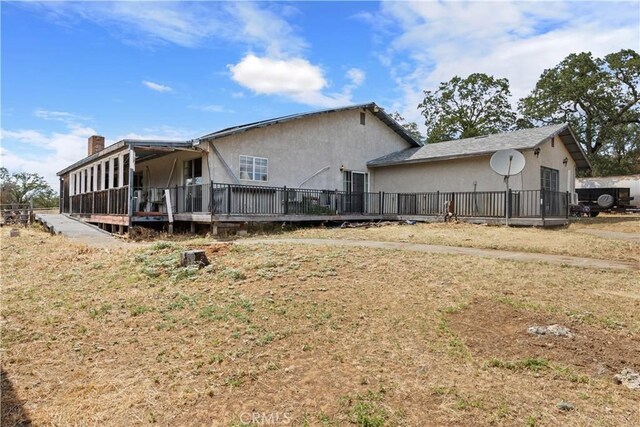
{"type": "Point", "coordinates": [560, 241]}
{"type": "Point", "coordinates": [311, 336]}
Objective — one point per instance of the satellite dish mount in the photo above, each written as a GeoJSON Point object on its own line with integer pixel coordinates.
{"type": "Point", "coordinates": [507, 163]}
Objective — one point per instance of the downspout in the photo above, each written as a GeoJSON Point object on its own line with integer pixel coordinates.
{"type": "Point", "coordinates": [314, 175]}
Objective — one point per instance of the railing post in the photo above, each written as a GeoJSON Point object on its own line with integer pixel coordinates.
{"type": "Point", "coordinates": [381, 202]}
{"type": "Point", "coordinates": [286, 200]}
{"type": "Point", "coordinates": [510, 203]}
{"type": "Point", "coordinates": [542, 204]}
{"type": "Point", "coordinates": [438, 202]}
{"type": "Point", "coordinates": [567, 200]}
{"type": "Point", "coordinates": [397, 203]}
{"type": "Point", "coordinates": [228, 199]}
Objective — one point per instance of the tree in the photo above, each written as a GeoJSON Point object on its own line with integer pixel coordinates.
{"type": "Point", "coordinates": [600, 98]}
{"type": "Point", "coordinates": [464, 108]}
{"type": "Point", "coordinates": [21, 187]}
{"type": "Point", "coordinates": [410, 127]}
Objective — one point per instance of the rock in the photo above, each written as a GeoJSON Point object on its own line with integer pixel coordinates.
{"type": "Point", "coordinates": [565, 406]}
{"type": "Point", "coordinates": [628, 378]}
{"type": "Point", "coordinates": [557, 330]}
{"type": "Point", "coordinates": [14, 232]}
{"type": "Point", "coordinates": [198, 258]}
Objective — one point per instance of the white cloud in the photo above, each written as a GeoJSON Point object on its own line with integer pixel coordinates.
{"type": "Point", "coordinates": [261, 27]}
{"type": "Point", "coordinates": [272, 76]}
{"type": "Point", "coordinates": [294, 78]}
{"type": "Point", "coordinates": [430, 42]}
{"type": "Point", "coordinates": [188, 24]}
{"type": "Point", "coordinates": [157, 86]}
{"type": "Point", "coordinates": [44, 153]}
{"type": "Point", "coordinates": [47, 153]}
{"type": "Point", "coordinates": [356, 76]}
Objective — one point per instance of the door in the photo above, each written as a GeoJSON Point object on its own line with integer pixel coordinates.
{"type": "Point", "coordinates": [550, 191]}
{"type": "Point", "coordinates": [355, 187]}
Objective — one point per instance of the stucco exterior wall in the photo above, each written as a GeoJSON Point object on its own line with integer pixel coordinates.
{"type": "Point", "coordinates": [461, 174]}
{"type": "Point", "coordinates": [298, 149]}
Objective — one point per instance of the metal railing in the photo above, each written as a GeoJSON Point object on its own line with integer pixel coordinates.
{"type": "Point", "coordinates": [236, 199]}
{"type": "Point", "coordinates": [114, 201]}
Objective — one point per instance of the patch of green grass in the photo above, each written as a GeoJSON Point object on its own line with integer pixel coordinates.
{"type": "Point", "coordinates": [99, 312]}
{"type": "Point", "coordinates": [367, 410]}
{"type": "Point", "coordinates": [137, 310]}
{"type": "Point", "coordinates": [233, 274]}
{"type": "Point", "coordinates": [179, 302]}
{"type": "Point", "coordinates": [236, 309]}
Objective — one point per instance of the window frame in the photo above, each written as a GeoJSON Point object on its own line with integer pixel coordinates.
{"type": "Point", "coordinates": [252, 176]}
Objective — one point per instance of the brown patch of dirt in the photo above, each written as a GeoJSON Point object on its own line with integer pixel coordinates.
{"type": "Point", "coordinates": [494, 330]}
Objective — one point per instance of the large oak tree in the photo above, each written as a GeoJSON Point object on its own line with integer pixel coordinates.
{"type": "Point", "coordinates": [463, 108]}
{"type": "Point", "coordinates": [23, 187]}
{"type": "Point", "coordinates": [600, 98]}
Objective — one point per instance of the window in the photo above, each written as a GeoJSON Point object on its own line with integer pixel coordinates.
{"type": "Point", "coordinates": [116, 172]}
{"type": "Point", "coordinates": [363, 118]}
{"type": "Point", "coordinates": [253, 168]}
{"type": "Point", "coordinates": [193, 171]}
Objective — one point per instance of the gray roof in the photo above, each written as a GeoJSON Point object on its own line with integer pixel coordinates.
{"type": "Point", "coordinates": [524, 139]}
{"type": "Point", "coordinates": [372, 107]}
{"type": "Point", "coordinates": [140, 143]}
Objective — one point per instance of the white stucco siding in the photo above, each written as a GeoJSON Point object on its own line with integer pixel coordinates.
{"type": "Point", "coordinates": [461, 174]}
{"type": "Point", "coordinates": [450, 175]}
{"type": "Point", "coordinates": [551, 156]}
{"type": "Point", "coordinates": [299, 148]}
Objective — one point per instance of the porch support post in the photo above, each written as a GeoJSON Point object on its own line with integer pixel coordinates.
{"type": "Point", "coordinates": [103, 174]}
{"type": "Point", "coordinates": [121, 170]}
{"type": "Point", "coordinates": [132, 168]}
{"type": "Point", "coordinates": [94, 174]}
{"type": "Point", "coordinates": [111, 169]}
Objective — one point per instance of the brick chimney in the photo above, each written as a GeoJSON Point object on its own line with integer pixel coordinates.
{"type": "Point", "coordinates": [96, 143]}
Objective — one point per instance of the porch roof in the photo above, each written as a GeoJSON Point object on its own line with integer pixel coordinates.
{"type": "Point", "coordinates": [524, 139]}
{"type": "Point", "coordinates": [140, 145]}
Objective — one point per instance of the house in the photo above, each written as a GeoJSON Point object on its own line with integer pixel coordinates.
{"type": "Point", "coordinates": [552, 158]}
{"type": "Point", "coordinates": [338, 164]}
{"type": "Point", "coordinates": [326, 150]}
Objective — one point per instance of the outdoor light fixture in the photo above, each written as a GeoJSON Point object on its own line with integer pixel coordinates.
{"type": "Point", "coordinates": [565, 161]}
{"type": "Point", "coordinates": [341, 168]}
{"type": "Point", "coordinates": [537, 152]}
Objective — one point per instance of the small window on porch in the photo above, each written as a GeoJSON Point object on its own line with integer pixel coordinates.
{"type": "Point", "coordinates": [193, 171]}
{"type": "Point", "coordinates": [355, 182]}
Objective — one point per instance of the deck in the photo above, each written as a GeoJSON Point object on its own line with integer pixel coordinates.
{"type": "Point", "coordinates": [230, 203]}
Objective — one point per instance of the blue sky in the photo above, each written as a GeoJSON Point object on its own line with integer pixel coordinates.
{"type": "Point", "coordinates": [178, 70]}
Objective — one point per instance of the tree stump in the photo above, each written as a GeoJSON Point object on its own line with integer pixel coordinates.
{"type": "Point", "coordinates": [198, 258]}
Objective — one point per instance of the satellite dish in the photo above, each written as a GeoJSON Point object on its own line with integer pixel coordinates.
{"type": "Point", "coordinates": [507, 162]}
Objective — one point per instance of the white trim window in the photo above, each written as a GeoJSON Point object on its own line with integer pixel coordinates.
{"type": "Point", "coordinates": [253, 168]}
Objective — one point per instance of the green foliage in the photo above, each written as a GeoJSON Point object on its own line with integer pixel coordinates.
{"type": "Point", "coordinates": [21, 187]}
{"type": "Point", "coordinates": [600, 98]}
{"type": "Point", "coordinates": [410, 127]}
{"type": "Point", "coordinates": [463, 108]}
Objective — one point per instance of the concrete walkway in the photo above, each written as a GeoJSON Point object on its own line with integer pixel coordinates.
{"type": "Point", "coordinates": [456, 250]}
{"type": "Point", "coordinates": [78, 231]}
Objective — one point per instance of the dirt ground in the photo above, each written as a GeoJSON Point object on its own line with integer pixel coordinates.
{"type": "Point", "coordinates": [308, 336]}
